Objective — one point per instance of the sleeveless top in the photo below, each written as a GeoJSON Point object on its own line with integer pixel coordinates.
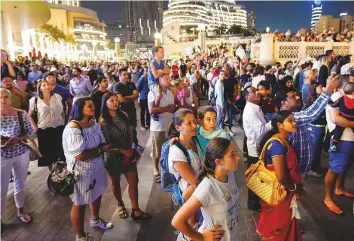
{"type": "Point", "coordinates": [151, 77]}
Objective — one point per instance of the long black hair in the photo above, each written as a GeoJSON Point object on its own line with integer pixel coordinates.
{"type": "Point", "coordinates": [216, 149]}
{"type": "Point", "coordinates": [177, 120]}
{"type": "Point", "coordinates": [105, 115]}
{"type": "Point", "coordinates": [77, 110]}
{"type": "Point", "coordinates": [278, 117]}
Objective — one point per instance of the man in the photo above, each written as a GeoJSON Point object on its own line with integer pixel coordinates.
{"type": "Point", "coordinates": [269, 76]}
{"type": "Point", "coordinates": [231, 92]}
{"type": "Point", "coordinates": [301, 140]}
{"type": "Point", "coordinates": [98, 94]}
{"type": "Point", "coordinates": [85, 73]}
{"type": "Point", "coordinates": [220, 99]}
{"type": "Point", "coordinates": [65, 79]}
{"type": "Point", "coordinates": [341, 160]}
{"type": "Point", "coordinates": [79, 86]}
{"type": "Point", "coordinates": [63, 92]}
{"type": "Point", "coordinates": [159, 128]}
{"type": "Point", "coordinates": [309, 78]}
{"type": "Point", "coordinates": [6, 67]}
{"type": "Point", "coordinates": [93, 74]}
{"type": "Point", "coordinates": [175, 70]}
{"type": "Point", "coordinates": [35, 74]}
{"type": "Point", "coordinates": [158, 66]}
{"type": "Point", "coordinates": [255, 126]}
{"type": "Point", "coordinates": [127, 95]}
{"type": "Point", "coordinates": [308, 66]}
{"type": "Point", "coordinates": [19, 98]}
{"type": "Point", "coordinates": [143, 88]}
{"type": "Point", "coordinates": [323, 71]}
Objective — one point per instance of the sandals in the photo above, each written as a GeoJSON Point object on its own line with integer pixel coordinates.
{"type": "Point", "coordinates": [123, 212]}
{"type": "Point", "coordinates": [157, 177]}
{"type": "Point", "coordinates": [143, 216]}
{"type": "Point", "coordinates": [23, 218]}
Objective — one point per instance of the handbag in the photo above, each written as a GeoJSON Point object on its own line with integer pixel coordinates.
{"type": "Point", "coordinates": [35, 153]}
{"type": "Point", "coordinates": [60, 180]}
{"type": "Point", "coordinates": [263, 182]}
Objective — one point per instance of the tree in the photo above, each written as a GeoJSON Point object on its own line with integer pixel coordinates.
{"type": "Point", "coordinates": [221, 29]}
{"type": "Point", "coordinates": [237, 29]}
{"type": "Point", "coordinates": [57, 34]}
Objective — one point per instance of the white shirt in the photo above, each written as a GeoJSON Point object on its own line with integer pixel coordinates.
{"type": "Point", "coordinates": [191, 78]}
{"type": "Point", "coordinates": [48, 115]}
{"type": "Point", "coordinates": [220, 205]}
{"type": "Point", "coordinates": [348, 134]}
{"type": "Point", "coordinates": [177, 155]}
{"type": "Point", "coordinates": [165, 119]}
{"type": "Point", "coordinates": [254, 126]}
{"type": "Point", "coordinates": [257, 79]}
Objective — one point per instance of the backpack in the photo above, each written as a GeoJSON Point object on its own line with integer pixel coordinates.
{"type": "Point", "coordinates": [169, 183]}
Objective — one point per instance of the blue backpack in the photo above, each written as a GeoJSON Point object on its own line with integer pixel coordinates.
{"type": "Point", "coordinates": [169, 183]}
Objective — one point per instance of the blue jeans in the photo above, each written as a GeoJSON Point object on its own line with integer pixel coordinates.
{"type": "Point", "coordinates": [220, 116]}
{"type": "Point", "coordinates": [229, 115]}
{"type": "Point", "coordinates": [317, 137]}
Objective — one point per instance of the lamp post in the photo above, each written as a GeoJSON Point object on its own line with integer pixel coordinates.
{"type": "Point", "coordinates": [94, 47]}
{"type": "Point", "coordinates": [202, 35]}
{"type": "Point", "coordinates": [117, 46]}
{"type": "Point", "coordinates": [157, 37]}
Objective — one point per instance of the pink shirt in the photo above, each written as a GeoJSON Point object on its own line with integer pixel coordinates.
{"type": "Point", "coordinates": [22, 84]}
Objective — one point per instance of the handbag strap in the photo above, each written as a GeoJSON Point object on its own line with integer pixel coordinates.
{"type": "Point", "coordinates": [262, 155]}
{"type": "Point", "coordinates": [22, 125]}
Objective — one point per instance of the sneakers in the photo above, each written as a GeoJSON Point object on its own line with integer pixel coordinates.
{"type": "Point", "coordinates": [138, 148]}
{"type": "Point", "coordinates": [231, 133]}
{"type": "Point", "coordinates": [143, 128]}
{"type": "Point", "coordinates": [87, 237]}
{"type": "Point", "coordinates": [314, 174]}
{"type": "Point", "coordinates": [100, 223]}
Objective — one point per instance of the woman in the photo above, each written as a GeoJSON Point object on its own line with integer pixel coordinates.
{"type": "Point", "coordinates": [258, 76]}
{"type": "Point", "coordinates": [279, 223]}
{"type": "Point", "coordinates": [216, 194]}
{"type": "Point", "coordinates": [84, 144]}
{"type": "Point", "coordinates": [14, 154]}
{"type": "Point", "coordinates": [110, 80]}
{"type": "Point", "coordinates": [48, 108]}
{"type": "Point", "coordinates": [21, 82]}
{"type": "Point", "coordinates": [117, 132]}
{"type": "Point", "coordinates": [207, 128]}
{"type": "Point", "coordinates": [184, 127]}
{"type": "Point", "coordinates": [187, 96]}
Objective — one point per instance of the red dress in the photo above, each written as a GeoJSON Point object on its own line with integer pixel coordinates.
{"type": "Point", "coordinates": [275, 223]}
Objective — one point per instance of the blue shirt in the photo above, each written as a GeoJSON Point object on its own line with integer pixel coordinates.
{"type": "Point", "coordinates": [63, 92]}
{"type": "Point", "coordinates": [220, 94]}
{"type": "Point", "coordinates": [143, 87]}
{"type": "Point", "coordinates": [151, 77]}
{"type": "Point", "coordinates": [301, 79]}
{"type": "Point", "coordinates": [82, 88]}
{"type": "Point", "coordinates": [34, 76]}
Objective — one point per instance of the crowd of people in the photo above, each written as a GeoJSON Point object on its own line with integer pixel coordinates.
{"type": "Point", "coordinates": [325, 36]}
{"type": "Point", "coordinates": [85, 114]}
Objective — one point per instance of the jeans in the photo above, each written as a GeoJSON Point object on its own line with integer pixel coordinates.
{"type": "Point", "coordinates": [253, 201]}
{"type": "Point", "coordinates": [20, 166]}
{"type": "Point", "coordinates": [220, 116]}
{"type": "Point", "coordinates": [229, 115]}
{"type": "Point", "coordinates": [317, 137]}
{"type": "Point", "coordinates": [144, 113]}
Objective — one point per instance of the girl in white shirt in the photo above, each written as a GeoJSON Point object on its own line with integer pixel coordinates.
{"type": "Point", "coordinates": [49, 124]}
{"type": "Point", "coordinates": [216, 194]}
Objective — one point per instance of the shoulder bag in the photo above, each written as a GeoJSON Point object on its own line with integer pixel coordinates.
{"type": "Point", "coordinates": [35, 153]}
{"type": "Point", "coordinates": [263, 182]}
{"type": "Point", "coordinates": [60, 180]}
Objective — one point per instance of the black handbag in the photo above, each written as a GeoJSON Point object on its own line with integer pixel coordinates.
{"type": "Point", "coordinates": [60, 180]}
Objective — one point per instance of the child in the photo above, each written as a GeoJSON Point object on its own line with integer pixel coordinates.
{"type": "Point", "coordinates": [266, 103]}
{"type": "Point", "coordinates": [157, 68]}
{"type": "Point", "coordinates": [346, 108]}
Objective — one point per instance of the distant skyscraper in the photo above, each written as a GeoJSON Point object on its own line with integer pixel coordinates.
{"type": "Point", "coordinates": [142, 19]}
{"type": "Point", "coordinates": [316, 13]}
{"type": "Point", "coordinates": [251, 21]}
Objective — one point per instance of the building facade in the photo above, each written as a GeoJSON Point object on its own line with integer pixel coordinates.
{"type": "Point", "coordinates": [141, 20]}
{"type": "Point", "coordinates": [346, 21]}
{"type": "Point", "coordinates": [251, 21]}
{"type": "Point", "coordinates": [316, 13]}
{"type": "Point", "coordinates": [327, 23]}
{"type": "Point", "coordinates": [212, 14]}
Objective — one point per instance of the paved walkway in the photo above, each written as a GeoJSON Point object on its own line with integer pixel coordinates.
{"type": "Point", "coordinates": [52, 214]}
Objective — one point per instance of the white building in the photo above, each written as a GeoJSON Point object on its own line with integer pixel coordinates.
{"type": "Point", "coordinates": [316, 13]}
{"type": "Point", "coordinates": [212, 14]}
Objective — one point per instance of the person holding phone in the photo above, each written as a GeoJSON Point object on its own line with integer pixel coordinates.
{"type": "Point", "coordinates": [117, 132]}
{"type": "Point", "coordinates": [6, 67]}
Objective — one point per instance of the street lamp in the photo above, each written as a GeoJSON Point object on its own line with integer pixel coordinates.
{"type": "Point", "coordinates": [117, 46]}
{"type": "Point", "coordinates": [94, 46]}
{"type": "Point", "coordinates": [157, 37]}
{"type": "Point", "coordinates": [267, 29]}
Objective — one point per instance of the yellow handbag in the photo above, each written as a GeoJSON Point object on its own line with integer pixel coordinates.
{"type": "Point", "coordinates": [263, 182]}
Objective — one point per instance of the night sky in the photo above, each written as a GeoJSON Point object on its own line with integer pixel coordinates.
{"type": "Point", "coordinates": [280, 15]}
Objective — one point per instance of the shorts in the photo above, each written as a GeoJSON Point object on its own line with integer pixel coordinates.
{"type": "Point", "coordinates": [158, 138]}
{"type": "Point", "coordinates": [340, 159]}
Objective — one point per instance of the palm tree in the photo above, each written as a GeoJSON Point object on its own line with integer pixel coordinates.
{"type": "Point", "coordinates": [221, 29]}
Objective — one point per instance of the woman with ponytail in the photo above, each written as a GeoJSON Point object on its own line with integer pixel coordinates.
{"type": "Point", "coordinates": [216, 195]}
{"type": "Point", "coordinates": [279, 223]}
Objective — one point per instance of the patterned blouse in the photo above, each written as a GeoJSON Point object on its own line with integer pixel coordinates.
{"type": "Point", "coordinates": [10, 126]}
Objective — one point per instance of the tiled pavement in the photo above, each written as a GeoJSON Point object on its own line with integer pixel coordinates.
{"type": "Point", "coordinates": [52, 220]}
